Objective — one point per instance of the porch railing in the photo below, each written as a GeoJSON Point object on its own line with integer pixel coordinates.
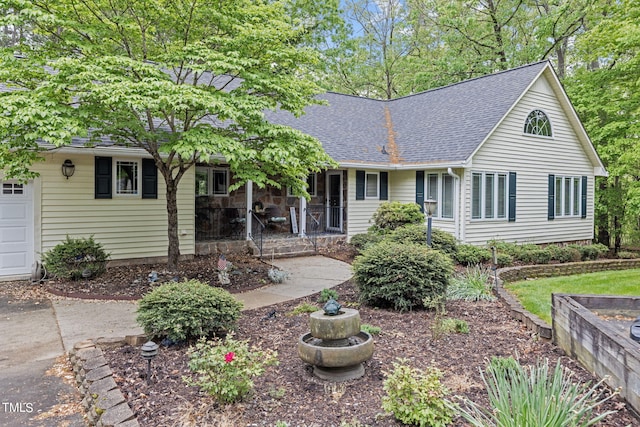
{"type": "Point", "coordinates": [325, 219]}
{"type": "Point", "coordinates": [220, 223]}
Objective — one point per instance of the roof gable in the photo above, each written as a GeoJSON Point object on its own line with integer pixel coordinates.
{"type": "Point", "coordinates": [442, 126]}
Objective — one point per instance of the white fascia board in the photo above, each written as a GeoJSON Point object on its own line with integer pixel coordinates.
{"type": "Point", "coordinates": [108, 151]}
{"type": "Point", "coordinates": [405, 166]}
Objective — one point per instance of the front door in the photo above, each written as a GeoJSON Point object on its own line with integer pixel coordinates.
{"type": "Point", "coordinates": [334, 201]}
{"type": "Point", "coordinates": [16, 229]}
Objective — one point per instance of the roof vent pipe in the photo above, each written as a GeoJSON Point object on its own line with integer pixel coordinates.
{"type": "Point", "coordinates": [458, 210]}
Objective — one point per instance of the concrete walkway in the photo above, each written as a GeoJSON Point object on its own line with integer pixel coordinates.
{"type": "Point", "coordinates": [35, 333]}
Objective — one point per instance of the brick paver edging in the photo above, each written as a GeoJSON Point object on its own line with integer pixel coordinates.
{"type": "Point", "coordinates": [533, 322]}
{"type": "Point", "coordinates": [102, 401]}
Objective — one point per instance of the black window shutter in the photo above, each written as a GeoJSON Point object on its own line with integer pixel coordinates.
{"type": "Point", "coordinates": [359, 185]}
{"type": "Point", "coordinates": [420, 190]}
{"type": "Point", "coordinates": [584, 197]}
{"type": "Point", "coordinates": [512, 196]}
{"type": "Point", "coordinates": [149, 179]}
{"type": "Point", "coordinates": [103, 177]}
{"type": "Point", "coordinates": [551, 208]}
{"type": "Point", "coordinates": [384, 185]}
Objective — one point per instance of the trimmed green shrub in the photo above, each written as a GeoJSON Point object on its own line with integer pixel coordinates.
{"type": "Point", "coordinates": [400, 276]}
{"type": "Point", "coordinates": [76, 258]}
{"type": "Point", "coordinates": [444, 242]}
{"type": "Point", "coordinates": [471, 285]}
{"type": "Point", "coordinates": [416, 397]}
{"type": "Point", "coordinates": [504, 260]}
{"type": "Point", "coordinates": [391, 215]}
{"type": "Point", "coordinates": [417, 233]}
{"type": "Point", "coordinates": [564, 253]}
{"type": "Point", "coordinates": [190, 309]}
{"type": "Point", "coordinates": [520, 396]}
{"type": "Point", "coordinates": [326, 294]}
{"type": "Point", "coordinates": [536, 256]}
{"type": "Point", "coordinates": [471, 255]}
{"type": "Point", "coordinates": [591, 252]}
{"type": "Point", "coordinates": [225, 369]}
{"type": "Point", "coordinates": [363, 240]}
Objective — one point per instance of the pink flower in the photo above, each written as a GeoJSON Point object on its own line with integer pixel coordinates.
{"type": "Point", "coordinates": [229, 356]}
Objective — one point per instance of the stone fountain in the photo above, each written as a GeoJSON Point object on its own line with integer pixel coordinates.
{"type": "Point", "coordinates": [335, 346]}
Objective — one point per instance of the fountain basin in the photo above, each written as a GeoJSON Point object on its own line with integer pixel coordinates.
{"type": "Point", "coordinates": [317, 352]}
{"type": "Point", "coordinates": [341, 326]}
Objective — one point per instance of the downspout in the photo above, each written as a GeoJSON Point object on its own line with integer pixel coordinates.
{"type": "Point", "coordinates": [459, 209]}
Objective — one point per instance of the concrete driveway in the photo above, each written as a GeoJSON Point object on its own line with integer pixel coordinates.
{"type": "Point", "coordinates": [35, 333]}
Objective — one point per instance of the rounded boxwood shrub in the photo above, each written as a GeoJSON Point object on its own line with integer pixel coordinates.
{"type": "Point", "coordinates": [417, 233]}
{"type": "Point", "coordinates": [401, 276]}
{"type": "Point", "coordinates": [185, 310]}
{"type": "Point", "coordinates": [391, 215]}
{"type": "Point", "coordinates": [471, 255]}
{"type": "Point", "coordinates": [76, 258]}
{"type": "Point", "coordinates": [363, 240]}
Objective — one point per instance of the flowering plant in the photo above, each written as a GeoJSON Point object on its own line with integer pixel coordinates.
{"type": "Point", "coordinates": [225, 369]}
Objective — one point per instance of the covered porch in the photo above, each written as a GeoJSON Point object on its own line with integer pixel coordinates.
{"type": "Point", "coordinates": [261, 215]}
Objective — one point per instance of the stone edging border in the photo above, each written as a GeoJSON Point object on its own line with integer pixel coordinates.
{"type": "Point", "coordinates": [533, 322]}
{"type": "Point", "coordinates": [104, 404]}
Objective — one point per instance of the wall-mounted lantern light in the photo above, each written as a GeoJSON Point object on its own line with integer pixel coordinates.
{"type": "Point", "coordinates": [68, 168]}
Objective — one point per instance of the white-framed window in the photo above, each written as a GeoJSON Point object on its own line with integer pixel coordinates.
{"type": "Point", "coordinates": [489, 195]}
{"type": "Point", "coordinates": [568, 193]}
{"type": "Point", "coordinates": [439, 187]}
{"type": "Point", "coordinates": [127, 177]}
{"type": "Point", "coordinates": [537, 123]}
{"type": "Point", "coordinates": [312, 181]}
{"type": "Point", "coordinates": [372, 186]}
{"type": "Point", "coordinates": [12, 188]}
{"type": "Point", "coordinates": [212, 181]}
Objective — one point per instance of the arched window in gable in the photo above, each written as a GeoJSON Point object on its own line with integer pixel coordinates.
{"type": "Point", "coordinates": [537, 123]}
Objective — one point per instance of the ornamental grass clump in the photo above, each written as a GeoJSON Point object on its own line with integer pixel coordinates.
{"type": "Point", "coordinates": [186, 310]}
{"type": "Point", "coordinates": [225, 369]}
{"type": "Point", "coordinates": [401, 276]}
{"type": "Point", "coordinates": [471, 285]}
{"type": "Point", "coordinates": [416, 397]}
{"type": "Point", "coordinates": [520, 396]}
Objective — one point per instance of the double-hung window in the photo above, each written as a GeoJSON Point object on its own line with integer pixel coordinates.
{"type": "Point", "coordinates": [371, 186]}
{"type": "Point", "coordinates": [490, 196]}
{"type": "Point", "coordinates": [440, 188]}
{"type": "Point", "coordinates": [127, 177]}
{"type": "Point", "coordinates": [212, 181]}
{"type": "Point", "coordinates": [568, 193]}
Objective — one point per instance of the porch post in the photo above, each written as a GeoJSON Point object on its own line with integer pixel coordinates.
{"type": "Point", "coordinates": [303, 217]}
{"type": "Point", "coordinates": [249, 198]}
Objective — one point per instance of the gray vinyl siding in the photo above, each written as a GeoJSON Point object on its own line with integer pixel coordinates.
{"type": "Point", "coordinates": [127, 227]}
{"type": "Point", "coordinates": [533, 158]}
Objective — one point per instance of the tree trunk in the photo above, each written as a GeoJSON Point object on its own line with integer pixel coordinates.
{"type": "Point", "coordinates": [173, 251]}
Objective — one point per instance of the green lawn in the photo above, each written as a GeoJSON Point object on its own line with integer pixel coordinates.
{"type": "Point", "coordinates": [535, 295]}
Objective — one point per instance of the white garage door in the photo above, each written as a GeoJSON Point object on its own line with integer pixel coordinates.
{"type": "Point", "coordinates": [16, 229]}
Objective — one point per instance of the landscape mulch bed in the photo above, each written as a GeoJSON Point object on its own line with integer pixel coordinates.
{"type": "Point", "coordinates": [289, 392]}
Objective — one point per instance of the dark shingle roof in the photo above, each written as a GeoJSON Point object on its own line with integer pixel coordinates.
{"type": "Point", "coordinates": [440, 125]}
